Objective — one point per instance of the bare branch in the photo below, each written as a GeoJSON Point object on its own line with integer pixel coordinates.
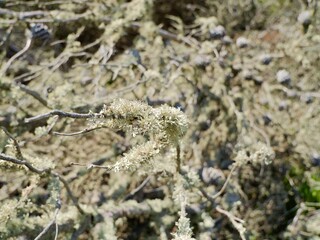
{"type": "Point", "coordinates": [24, 163]}
{"type": "Point", "coordinates": [34, 94]}
{"type": "Point", "coordinates": [291, 92]}
{"type": "Point", "coordinates": [107, 168]}
{"type": "Point", "coordinates": [60, 114]}
{"type": "Point", "coordinates": [22, 15]}
{"type": "Point", "coordinates": [87, 130]}
{"type": "Point", "coordinates": [14, 57]}
{"type": "Point", "coordinates": [30, 14]}
{"type": "Point", "coordinates": [46, 229]}
{"type": "Point", "coordinates": [135, 191]}
{"type": "Point", "coordinates": [226, 182]}
{"type": "Point", "coordinates": [15, 142]}
{"type": "Point", "coordinates": [211, 198]}
{"type": "Point", "coordinates": [91, 165]}
{"type": "Point", "coordinates": [236, 222]}
{"type": "Point", "coordinates": [41, 171]}
{"type": "Point", "coordinates": [178, 158]}
{"type": "Point", "coordinates": [73, 198]}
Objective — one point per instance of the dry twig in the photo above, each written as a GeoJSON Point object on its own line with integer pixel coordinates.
{"type": "Point", "coordinates": [60, 114]}
{"type": "Point", "coordinates": [46, 229]}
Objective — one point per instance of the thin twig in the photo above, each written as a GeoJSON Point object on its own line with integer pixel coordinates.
{"type": "Point", "coordinates": [60, 114]}
{"type": "Point", "coordinates": [91, 165]}
{"type": "Point", "coordinates": [73, 198]}
{"type": "Point", "coordinates": [178, 158]}
{"type": "Point", "coordinates": [107, 168]}
{"type": "Point", "coordinates": [14, 57]}
{"type": "Point", "coordinates": [259, 130]}
{"type": "Point", "coordinates": [22, 15]}
{"type": "Point", "coordinates": [35, 3]}
{"type": "Point", "coordinates": [291, 92]}
{"type": "Point", "coordinates": [212, 198]}
{"type": "Point", "coordinates": [24, 163]}
{"type": "Point", "coordinates": [51, 20]}
{"type": "Point", "coordinates": [29, 76]}
{"type": "Point", "coordinates": [57, 231]}
{"type": "Point", "coordinates": [15, 142]}
{"type": "Point", "coordinates": [87, 130]}
{"type": "Point", "coordinates": [136, 190]}
{"type": "Point", "coordinates": [31, 14]}
{"type": "Point", "coordinates": [77, 164]}
{"type": "Point", "coordinates": [226, 182]}
{"type": "Point", "coordinates": [46, 229]}
{"type": "Point", "coordinates": [34, 94]}
{"type": "Point", "coordinates": [41, 171]}
{"type": "Point", "coordinates": [236, 222]}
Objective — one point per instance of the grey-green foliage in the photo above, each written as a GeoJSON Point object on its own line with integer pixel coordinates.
{"type": "Point", "coordinates": [164, 126]}
{"type": "Point", "coordinates": [184, 231]}
{"type": "Point", "coordinates": [182, 188]}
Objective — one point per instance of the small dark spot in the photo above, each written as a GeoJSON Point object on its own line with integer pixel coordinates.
{"type": "Point", "coordinates": [266, 119]}
{"type": "Point", "coordinates": [49, 89]}
{"type": "Point", "coordinates": [248, 153]}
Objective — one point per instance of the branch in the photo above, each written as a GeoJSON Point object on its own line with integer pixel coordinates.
{"type": "Point", "coordinates": [14, 57]}
{"type": "Point", "coordinates": [86, 130]}
{"type": "Point", "coordinates": [34, 94]}
{"type": "Point", "coordinates": [73, 198]}
{"type": "Point", "coordinates": [41, 171]}
{"type": "Point", "coordinates": [46, 229]}
{"type": "Point", "coordinates": [24, 163]}
{"type": "Point", "coordinates": [60, 114]}
{"type": "Point", "coordinates": [22, 15]}
{"type": "Point", "coordinates": [178, 169]}
{"type": "Point", "coordinates": [135, 191]}
{"type": "Point", "coordinates": [15, 142]}
{"type": "Point", "coordinates": [236, 222]}
{"type": "Point", "coordinates": [211, 198]}
{"type": "Point", "coordinates": [291, 92]}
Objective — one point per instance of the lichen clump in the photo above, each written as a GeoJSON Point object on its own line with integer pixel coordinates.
{"type": "Point", "coordinates": [165, 123]}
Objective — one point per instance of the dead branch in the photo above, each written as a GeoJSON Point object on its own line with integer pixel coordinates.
{"type": "Point", "coordinates": [24, 163]}
{"type": "Point", "coordinates": [60, 114]}
{"type": "Point", "coordinates": [73, 198]}
{"type": "Point", "coordinates": [15, 142]}
{"type": "Point", "coordinates": [46, 229]}
{"type": "Point", "coordinates": [14, 57]}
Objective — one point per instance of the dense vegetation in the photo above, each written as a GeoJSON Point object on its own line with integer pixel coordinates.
{"type": "Point", "coordinates": [159, 119]}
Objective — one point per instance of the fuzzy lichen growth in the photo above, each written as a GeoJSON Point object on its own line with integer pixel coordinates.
{"type": "Point", "coordinates": [137, 157]}
{"type": "Point", "coordinates": [184, 231]}
{"type": "Point", "coordinates": [257, 153]}
{"type": "Point", "coordinates": [172, 122]}
{"type": "Point", "coordinates": [129, 116]}
{"type": "Point", "coordinates": [166, 123]}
